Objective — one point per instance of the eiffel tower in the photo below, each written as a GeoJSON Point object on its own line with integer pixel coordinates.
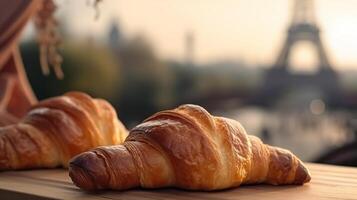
{"type": "Point", "coordinates": [303, 27]}
{"type": "Point", "coordinates": [279, 80]}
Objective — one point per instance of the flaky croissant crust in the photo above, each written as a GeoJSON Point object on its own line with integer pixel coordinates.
{"type": "Point", "coordinates": [187, 148]}
{"type": "Point", "coordinates": [57, 129]}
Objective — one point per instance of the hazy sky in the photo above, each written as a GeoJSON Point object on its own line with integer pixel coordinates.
{"type": "Point", "coordinates": [249, 30]}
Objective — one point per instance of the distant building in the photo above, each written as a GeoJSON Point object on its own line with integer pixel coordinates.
{"type": "Point", "coordinates": [189, 48]}
{"type": "Point", "coordinates": [280, 82]}
{"type": "Point", "coordinates": [115, 36]}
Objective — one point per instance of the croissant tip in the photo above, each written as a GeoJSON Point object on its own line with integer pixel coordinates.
{"type": "Point", "coordinates": [302, 174]}
{"type": "Point", "coordinates": [308, 177]}
{"type": "Point", "coordinates": [306, 171]}
{"type": "Point", "coordinates": [80, 176]}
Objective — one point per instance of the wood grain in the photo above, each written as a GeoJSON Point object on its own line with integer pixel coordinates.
{"type": "Point", "coordinates": [328, 182]}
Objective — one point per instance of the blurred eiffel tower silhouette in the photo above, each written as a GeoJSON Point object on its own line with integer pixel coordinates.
{"type": "Point", "coordinates": [279, 79]}
{"type": "Point", "coordinates": [303, 27]}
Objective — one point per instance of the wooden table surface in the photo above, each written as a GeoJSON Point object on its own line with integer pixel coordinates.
{"type": "Point", "coordinates": [328, 182]}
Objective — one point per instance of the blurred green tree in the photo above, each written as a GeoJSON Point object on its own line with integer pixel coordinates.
{"type": "Point", "coordinates": [87, 67]}
{"type": "Point", "coordinates": [146, 81]}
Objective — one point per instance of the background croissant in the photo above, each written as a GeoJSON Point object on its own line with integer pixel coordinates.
{"type": "Point", "coordinates": [186, 148]}
{"type": "Point", "coordinates": [57, 129]}
{"type": "Point", "coordinates": [7, 119]}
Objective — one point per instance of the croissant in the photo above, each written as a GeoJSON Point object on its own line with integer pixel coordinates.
{"type": "Point", "coordinates": [57, 129]}
{"type": "Point", "coordinates": [7, 119]}
{"type": "Point", "coordinates": [186, 148]}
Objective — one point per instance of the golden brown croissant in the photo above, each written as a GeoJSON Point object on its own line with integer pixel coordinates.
{"type": "Point", "coordinates": [57, 129]}
{"type": "Point", "coordinates": [186, 148]}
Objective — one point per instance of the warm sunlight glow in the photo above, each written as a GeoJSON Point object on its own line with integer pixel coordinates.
{"type": "Point", "coordinates": [304, 58]}
{"type": "Point", "coordinates": [251, 31]}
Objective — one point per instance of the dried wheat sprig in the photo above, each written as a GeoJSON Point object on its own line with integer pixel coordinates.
{"type": "Point", "coordinates": [48, 39]}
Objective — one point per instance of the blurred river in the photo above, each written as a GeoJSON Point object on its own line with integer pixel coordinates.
{"type": "Point", "coordinates": [308, 133]}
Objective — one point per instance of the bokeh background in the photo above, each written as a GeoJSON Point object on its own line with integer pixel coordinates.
{"type": "Point", "coordinates": [146, 56]}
